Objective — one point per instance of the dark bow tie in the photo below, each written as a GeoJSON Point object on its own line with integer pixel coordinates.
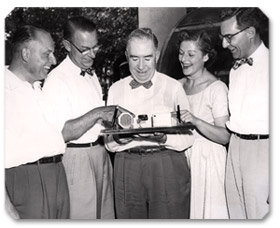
{"type": "Point", "coordinates": [88, 71]}
{"type": "Point", "coordinates": [239, 62]}
{"type": "Point", "coordinates": [134, 84]}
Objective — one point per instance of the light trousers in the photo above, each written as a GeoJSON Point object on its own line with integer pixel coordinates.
{"type": "Point", "coordinates": [247, 178]}
{"type": "Point", "coordinates": [90, 179]}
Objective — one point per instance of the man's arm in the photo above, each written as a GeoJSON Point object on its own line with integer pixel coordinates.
{"type": "Point", "coordinates": [75, 128]}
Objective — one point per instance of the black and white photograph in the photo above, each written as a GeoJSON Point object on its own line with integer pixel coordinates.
{"type": "Point", "coordinates": [118, 113]}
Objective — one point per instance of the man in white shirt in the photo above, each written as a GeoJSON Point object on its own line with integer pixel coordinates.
{"type": "Point", "coordinates": [74, 89]}
{"type": "Point", "coordinates": [152, 178]}
{"type": "Point", "coordinates": [33, 147]}
{"type": "Point", "coordinates": [35, 179]}
{"type": "Point", "coordinates": [247, 173]}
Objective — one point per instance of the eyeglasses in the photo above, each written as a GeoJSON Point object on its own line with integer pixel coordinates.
{"type": "Point", "coordinates": [95, 49]}
{"type": "Point", "coordinates": [228, 37]}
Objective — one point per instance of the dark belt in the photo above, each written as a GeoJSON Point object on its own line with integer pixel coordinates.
{"type": "Point", "coordinates": [54, 159]}
{"type": "Point", "coordinates": [83, 145]}
{"type": "Point", "coordinates": [145, 150]}
{"type": "Point", "coordinates": [251, 136]}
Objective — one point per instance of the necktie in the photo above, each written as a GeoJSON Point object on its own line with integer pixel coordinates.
{"type": "Point", "coordinates": [88, 71]}
{"type": "Point", "coordinates": [239, 62]}
{"type": "Point", "coordinates": [134, 84]}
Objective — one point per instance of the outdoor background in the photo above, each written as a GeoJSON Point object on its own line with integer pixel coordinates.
{"type": "Point", "coordinates": [114, 25]}
{"type": "Point", "coordinates": [273, 219]}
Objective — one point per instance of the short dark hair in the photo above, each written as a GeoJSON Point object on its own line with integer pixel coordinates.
{"type": "Point", "coordinates": [203, 40]}
{"type": "Point", "coordinates": [78, 23]}
{"type": "Point", "coordinates": [143, 33]}
{"type": "Point", "coordinates": [25, 34]}
{"type": "Point", "coordinates": [245, 17]}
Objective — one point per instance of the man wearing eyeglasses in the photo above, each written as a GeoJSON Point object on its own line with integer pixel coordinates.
{"type": "Point", "coordinates": [74, 89]}
{"type": "Point", "coordinates": [247, 172]}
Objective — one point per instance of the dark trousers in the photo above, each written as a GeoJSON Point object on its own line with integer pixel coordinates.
{"type": "Point", "coordinates": [152, 186]}
{"type": "Point", "coordinates": [39, 191]}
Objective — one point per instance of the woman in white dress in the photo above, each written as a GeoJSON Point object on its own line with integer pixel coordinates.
{"type": "Point", "coordinates": [209, 113]}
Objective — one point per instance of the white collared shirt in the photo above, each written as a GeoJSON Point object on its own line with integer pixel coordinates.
{"type": "Point", "coordinates": [29, 135]}
{"type": "Point", "coordinates": [73, 95]}
{"type": "Point", "coordinates": [249, 95]}
{"type": "Point", "coordinates": [163, 97]}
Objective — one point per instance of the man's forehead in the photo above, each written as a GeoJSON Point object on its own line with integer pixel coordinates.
{"type": "Point", "coordinates": [140, 44]}
{"type": "Point", "coordinates": [80, 33]}
{"type": "Point", "coordinates": [43, 37]}
{"type": "Point", "coordinates": [85, 37]}
{"type": "Point", "coordinates": [229, 25]}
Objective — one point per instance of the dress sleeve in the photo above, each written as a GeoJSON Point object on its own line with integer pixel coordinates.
{"type": "Point", "coordinates": [219, 99]}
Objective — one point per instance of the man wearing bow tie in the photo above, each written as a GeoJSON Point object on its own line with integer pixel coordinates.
{"type": "Point", "coordinates": [74, 89]}
{"type": "Point", "coordinates": [152, 178]}
{"type": "Point", "coordinates": [247, 172]}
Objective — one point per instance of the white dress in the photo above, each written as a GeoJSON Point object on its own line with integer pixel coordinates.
{"type": "Point", "coordinates": [208, 159]}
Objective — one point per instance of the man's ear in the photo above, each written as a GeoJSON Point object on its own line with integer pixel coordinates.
{"type": "Point", "coordinates": [66, 45]}
{"type": "Point", "coordinates": [251, 32]}
{"type": "Point", "coordinates": [126, 55]}
{"type": "Point", "coordinates": [157, 56]}
{"type": "Point", "coordinates": [25, 53]}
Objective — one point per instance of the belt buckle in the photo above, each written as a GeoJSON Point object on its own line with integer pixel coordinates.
{"type": "Point", "coordinates": [57, 158]}
{"type": "Point", "coordinates": [254, 137]}
{"type": "Point", "coordinates": [141, 151]}
{"type": "Point", "coordinates": [148, 151]}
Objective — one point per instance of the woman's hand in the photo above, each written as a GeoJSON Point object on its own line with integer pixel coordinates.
{"type": "Point", "coordinates": [187, 116]}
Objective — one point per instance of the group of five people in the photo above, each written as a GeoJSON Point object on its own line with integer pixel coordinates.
{"type": "Point", "coordinates": [156, 175]}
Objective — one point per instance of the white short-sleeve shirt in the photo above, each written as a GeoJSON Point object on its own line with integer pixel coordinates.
{"type": "Point", "coordinates": [29, 134]}
{"type": "Point", "coordinates": [249, 95]}
{"type": "Point", "coordinates": [73, 95]}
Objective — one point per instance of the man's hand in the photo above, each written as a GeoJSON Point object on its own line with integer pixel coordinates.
{"type": "Point", "coordinates": [111, 112]}
{"type": "Point", "coordinates": [11, 210]}
{"type": "Point", "coordinates": [158, 137]}
{"type": "Point", "coordinates": [75, 128]}
{"type": "Point", "coordinates": [151, 137]}
{"type": "Point", "coordinates": [123, 139]}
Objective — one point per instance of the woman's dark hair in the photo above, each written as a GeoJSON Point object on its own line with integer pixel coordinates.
{"type": "Point", "coordinates": [77, 23]}
{"type": "Point", "coordinates": [203, 41]}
